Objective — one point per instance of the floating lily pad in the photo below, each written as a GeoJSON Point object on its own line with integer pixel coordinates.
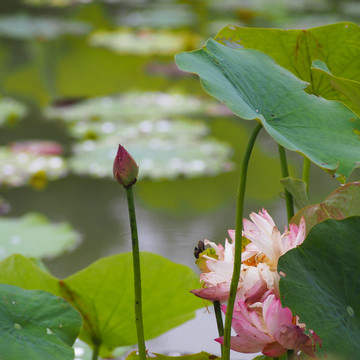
{"type": "Point", "coordinates": [33, 235]}
{"type": "Point", "coordinates": [11, 110]}
{"type": "Point", "coordinates": [254, 87]}
{"type": "Point", "coordinates": [29, 163]}
{"type": "Point", "coordinates": [340, 204]}
{"type": "Point", "coordinates": [123, 131]}
{"type": "Point", "coordinates": [25, 27]}
{"type": "Point", "coordinates": [134, 105]}
{"type": "Point", "coordinates": [103, 293]}
{"type": "Point", "coordinates": [36, 325]}
{"type": "Point", "coordinates": [144, 42]}
{"type": "Point", "coordinates": [166, 16]}
{"type": "Point", "coordinates": [157, 157]}
{"type": "Point", "coordinates": [322, 285]}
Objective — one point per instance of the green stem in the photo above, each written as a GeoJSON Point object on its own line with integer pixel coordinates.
{"type": "Point", "coordinates": [137, 274]}
{"type": "Point", "coordinates": [285, 173]}
{"type": "Point", "coordinates": [95, 353]}
{"type": "Point", "coordinates": [219, 321]}
{"type": "Point", "coordinates": [306, 172]}
{"type": "Point", "coordinates": [290, 355]}
{"type": "Point", "coordinates": [238, 241]}
{"type": "Point", "coordinates": [275, 358]}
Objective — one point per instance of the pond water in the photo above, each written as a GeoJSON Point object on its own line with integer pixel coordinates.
{"type": "Point", "coordinates": [173, 215]}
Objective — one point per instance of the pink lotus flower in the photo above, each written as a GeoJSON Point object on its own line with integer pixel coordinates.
{"type": "Point", "coordinates": [268, 327]}
{"type": "Point", "coordinates": [267, 243]}
{"type": "Point", "coordinates": [260, 258]}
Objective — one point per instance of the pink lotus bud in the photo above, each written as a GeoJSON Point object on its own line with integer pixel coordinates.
{"type": "Point", "coordinates": [125, 169]}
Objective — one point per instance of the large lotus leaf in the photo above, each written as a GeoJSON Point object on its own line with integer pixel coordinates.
{"type": "Point", "coordinates": [11, 110]}
{"type": "Point", "coordinates": [199, 356]}
{"type": "Point", "coordinates": [350, 89]}
{"type": "Point", "coordinates": [25, 27]}
{"type": "Point", "coordinates": [138, 105]}
{"type": "Point", "coordinates": [157, 157]}
{"type": "Point", "coordinates": [295, 50]}
{"type": "Point", "coordinates": [322, 285]}
{"type": "Point", "coordinates": [22, 166]}
{"type": "Point", "coordinates": [103, 294]}
{"type": "Point", "coordinates": [59, 3]}
{"type": "Point", "coordinates": [33, 235]}
{"type": "Point", "coordinates": [340, 204]}
{"type": "Point", "coordinates": [144, 42]}
{"type": "Point", "coordinates": [253, 86]}
{"type": "Point", "coordinates": [36, 325]}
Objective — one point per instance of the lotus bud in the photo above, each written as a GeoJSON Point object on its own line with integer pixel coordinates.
{"type": "Point", "coordinates": [125, 169]}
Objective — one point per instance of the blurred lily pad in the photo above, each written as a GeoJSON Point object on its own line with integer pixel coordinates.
{"type": "Point", "coordinates": [59, 3]}
{"type": "Point", "coordinates": [30, 163]}
{"type": "Point", "coordinates": [33, 235]}
{"type": "Point", "coordinates": [157, 157]}
{"type": "Point", "coordinates": [11, 110]}
{"type": "Point", "coordinates": [25, 27]}
{"type": "Point", "coordinates": [134, 104]}
{"type": "Point", "coordinates": [161, 15]}
{"type": "Point", "coordinates": [144, 42]}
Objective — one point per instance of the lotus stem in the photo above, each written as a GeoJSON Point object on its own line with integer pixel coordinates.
{"type": "Point", "coordinates": [95, 353]}
{"type": "Point", "coordinates": [290, 355]}
{"type": "Point", "coordinates": [137, 273]}
{"type": "Point", "coordinates": [219, 321]}
{"type": "Point", "coordinates": [285, 173]}
{"type": "Point", "coordinates": [238, 241]}
{"type": "Point", "coordinates": [306, 172]}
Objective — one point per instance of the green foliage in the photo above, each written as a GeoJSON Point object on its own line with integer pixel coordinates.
{"type": "Point", "coordinates": [322, 285]}
{"type": "Point", "coordinates": [36, 325]}
{"type": "Point", "coordinates": [340, 204]}
{"type": "Point", "coordinates": [298, 190]}
{"type": "Point", "coordinates": [33, 235]}
{"type": "Point", "coordinates": [103, 294]}
{"type": "Point", "coordinates": [295, 50]}
{"type": "Point", "coordinates": [349, 88]}
{"type": "Point", "coordinates": [199, 356]}
{"type": "Point", "coordinates": [253, 86]}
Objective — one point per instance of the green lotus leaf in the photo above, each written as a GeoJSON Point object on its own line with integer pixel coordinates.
{"type": "Point", "coordinates": [36, 325]}
{"type": "Point", "coordinates": [103, 293]}
{"type": "Point", "coordinates": [298, 189]}
{"type": "Point", "coordinates": [350, 89]}
{"type": "Point", "coordinates": [295, 50]}
{"type": "Point", "coordinates": [26, 27]}
{"type": "Point", "coordinates": [11, 110]}
{"type": "Point", "coordinates": [322, 285]}
{"type": "Point", "coordinates": [340, 204]}
{"type": "Point", "coordinates": [33, 235]}
{"type": "Point", "coordinates": [199, 356]}
{"type": "Point", "coordinates": [254, 87]}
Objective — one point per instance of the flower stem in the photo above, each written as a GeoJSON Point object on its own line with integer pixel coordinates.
{"type": "Point", "coordinates": [95, 353]}
{"type": "Point", "coordinates": [238, 241]}
{"type": "Point", "coordinates": [285, 173]}
{"type": "Point", "coordinates": [137, 274]}
{"type": "Point", "coordinates": [306, 172]}
{"type": "Point", "coordinates": [219, 320]}
{"type": "Point", "coordinates": [290, 355]}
